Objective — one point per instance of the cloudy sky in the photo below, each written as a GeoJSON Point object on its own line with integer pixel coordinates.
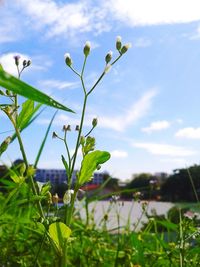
{"type": "Point", "coordinates": [147, 105]}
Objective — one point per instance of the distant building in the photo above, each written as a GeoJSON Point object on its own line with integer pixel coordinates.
{"type": "Point", "coordinates": [58, 176]}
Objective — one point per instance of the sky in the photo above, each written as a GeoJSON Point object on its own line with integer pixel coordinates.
{"type": "Point", "coordinates": [147, 105]}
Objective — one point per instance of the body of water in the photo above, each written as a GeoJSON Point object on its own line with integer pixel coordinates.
{"type": "Point", "coordinates": [128, 213]}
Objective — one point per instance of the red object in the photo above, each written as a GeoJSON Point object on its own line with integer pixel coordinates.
{"type": "Point", "coordinates": [90, 187]}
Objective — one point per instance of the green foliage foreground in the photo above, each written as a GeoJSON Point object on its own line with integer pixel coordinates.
{"type": "Point", "coordinates": [36, 232]}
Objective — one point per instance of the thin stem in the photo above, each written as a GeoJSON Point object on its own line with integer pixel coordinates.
{"type": "Point", "coordinates": [90, 131]}
{"type": "Point", "coordinates": [83, 68]}
{"type": "Point", "coordinates": [182, 245]}
{"type": "Point", "coordinates": [34, 190]}
{"type": "Point", "coordinates": [69, 160]}
{"type": "Point", "coordinates": [193, 186]}
{"type": "Point", "coordinates": [96, 83]}
{"type": "Point", "coordinates": [103, 75]}
{"type": "Point", "coordinates": [79, 134]}
{"type": "Point", "coordinates": [75, 71]}
{"type": "Point", "coordinates": [116, 60]}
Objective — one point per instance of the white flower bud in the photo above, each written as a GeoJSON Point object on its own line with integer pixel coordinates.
{"type": "Point", "coordinates": [68, 59]}
{"type": "Point", "coordinates": [118, 43]}
{"type": "Point", "coordinates": [125, 48]}
{"type": "Point", "coordinates": [86, 49]}
{"type": "Point", "coordinates": [67, 196]}
{"type": "Point", "coordinates": [108, 57]}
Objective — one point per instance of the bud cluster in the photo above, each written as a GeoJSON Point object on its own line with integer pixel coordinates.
{"type": "Point", "coordinates": [25, 63]}
{"type": "Point", "coordinates": [66, 128]}
{"type": "Point", "coordinates": [122, 49]}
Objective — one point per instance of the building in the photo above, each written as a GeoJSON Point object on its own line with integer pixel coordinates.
{"type": "Point", "coordinates": [58, 176]}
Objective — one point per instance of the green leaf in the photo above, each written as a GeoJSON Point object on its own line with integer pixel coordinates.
{"type": "Point", "coordinates": [90, 163]}
{"type": "Point", "coordinates": [89, 145]}
{"type": "Point", "coordinates": [18, 179]}
{"type": "Point", "coordinates": [44, 140]}
{"type": "Point", "coordinates": [59, 233]}
{"type": "Point", "coordinates": [31, 119]}
{"type": "Point", "coordinates": [4, 145]}
{"type": "Point", "coordinates": [169, 225]}
{"type": "Point", "coordinates": [19, 87]}
{"type": "Point", "coordinates": [66, 165]}
{"type": "Point", "coordinates": [26, 113]}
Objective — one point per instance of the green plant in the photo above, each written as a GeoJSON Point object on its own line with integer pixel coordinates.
{"type": "Point", "coordinates": [26, 203]}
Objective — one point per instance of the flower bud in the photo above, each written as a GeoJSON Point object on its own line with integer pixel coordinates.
{"type": "Point", "coordinates": [119, 43]}
{"type": "Point", "coordinates": [49, 198]}
{"type": "Point", "coordinates": [24, 63]}
{"type": "Point", "coordinates": [125, 48]}
{"type": "Point", "coordinates": [82, 140]}
{"type": "Point", "coordinates": [108, 57]}
{"type": "Point", "coordinates": [55, 198]}
{"type": "Point", "coordinates": [54, 135]}
{"type": "Point", "coordinates": [98, 167]}
{"type": "Point", "coordinates": [67, 196]}
{"type": "Point", "coordinates": [16, 58]}
{"type": "Point", "coordinates": [28, 63]}
{"type": "Point", "coordinates": [77, 128]}
{"type": "Point", "coordinates": [68, 59]}
{"type": "Point", "coordinates": [66, 128]}
{"type": "Point", "coordinates": [94, 122]}
{"type": "Point", "coordinates": [86, 49]}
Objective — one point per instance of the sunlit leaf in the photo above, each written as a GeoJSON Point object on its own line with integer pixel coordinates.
{"type": "Point", "coordinates": [19, 87]}
{"type": "Point", "coordinates": [26, 113]}
{"type": "Point", "coordinates": [4, 145]}
{"type": "Point", "coordinates": [90, 163]}
{"type": "Point", "coordinates": [59, 233]}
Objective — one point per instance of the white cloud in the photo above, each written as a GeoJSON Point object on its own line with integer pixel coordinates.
{"type": "Point", "coordinates": [142, 42]}
{"type": "Point", "coordinates": [144, 12]}
{"type": "Point", "coordinates": [60, 120]}
{"type": "Point", "coordinates": [65, 18]}
{"type": "Point", "coordinates": [174, 160]}
{"type": "Point", "coordinates": [8, 62]}
{"type": "Point", "coordinates": [165, 149]}
{"type": "Point", "coordinates": [38, 63]}
{"type": "Point", "coordinates": [70, 19]}
{"type": "Point", "coordinates": [117, 123]}
{"type": "Point", "coordinates": [57, 84]}
{"type": "Point", "coordinates": [156, 126]}
{"type": "Point", "coordinates": [119, 154]}
{"type": "Point", "coordinates": [133, 113]}
{"type": "Point", "coordinates": [9, 32]}
{"type": "Point", "coordinates": [189, 132]}
{"type": "Point", "coordinates": [179, 121]}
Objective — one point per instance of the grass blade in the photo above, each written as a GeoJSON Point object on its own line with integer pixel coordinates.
{"type": "Point", "coordinates": [19, 87]}
{"type": "Point", "coordinates": [44, 141]}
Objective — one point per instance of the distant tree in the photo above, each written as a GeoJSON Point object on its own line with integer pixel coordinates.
{"type": "Point", "coordinates": [178, 187]}
{"type": "Point", "coordinates": [112, 183]}
{"type": "Point", "coordinates": [140, 182]}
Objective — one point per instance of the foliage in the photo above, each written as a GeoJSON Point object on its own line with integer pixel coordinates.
{"type": "Point", "coordinates": [35, 231]}
{"type": "Point", "coordinates": [183, 185]}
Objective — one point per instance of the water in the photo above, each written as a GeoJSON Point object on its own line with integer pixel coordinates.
{"type": "Point", "coordinates": [122, 213]}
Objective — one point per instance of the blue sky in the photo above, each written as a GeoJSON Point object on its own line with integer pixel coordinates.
{"type": "Point", "coordinates": [147, 105]}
